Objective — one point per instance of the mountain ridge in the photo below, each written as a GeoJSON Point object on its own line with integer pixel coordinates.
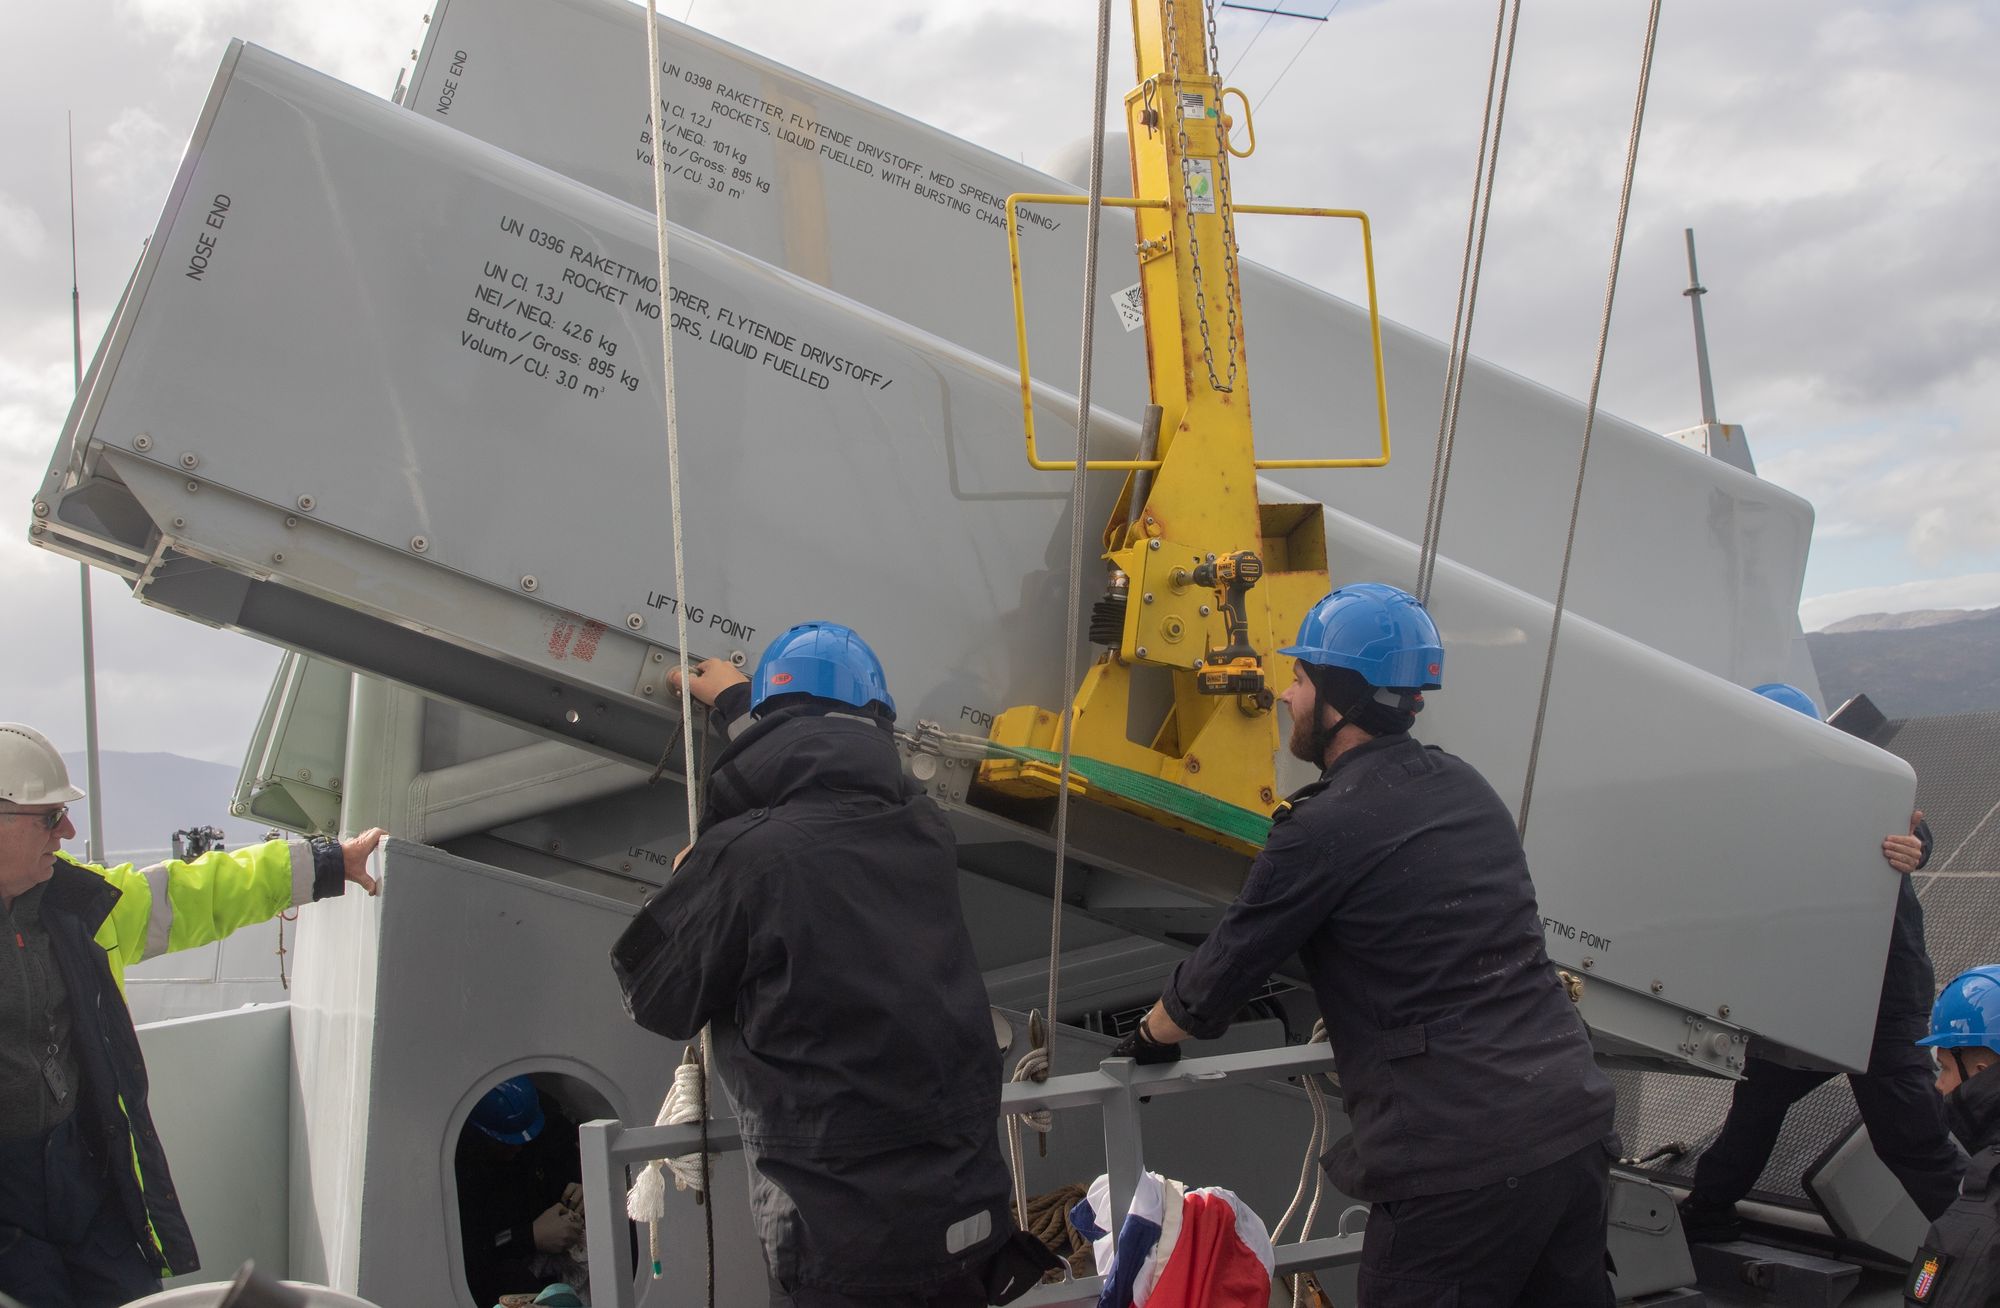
{"type": "Point", "coordinates": [1915, 671]}
{"type": "Point", "coordinates": [150, 795]}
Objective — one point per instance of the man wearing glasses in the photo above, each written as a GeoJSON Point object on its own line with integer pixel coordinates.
{"type": "Point", "coordinates": [88, 1214]}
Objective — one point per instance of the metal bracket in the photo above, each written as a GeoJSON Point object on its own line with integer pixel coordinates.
{"type": "Point", "coordinates": [1714, 1044]}
{"type": "Point", "coordinates": [653, 675]}
{"type": "Point", "coordinates": [942, 766]}
{"type": "Point", "coordinates": [1167, 614]}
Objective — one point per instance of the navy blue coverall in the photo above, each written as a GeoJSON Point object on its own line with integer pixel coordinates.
{"type": "Point", "coordinates": [1959, 1263]}
{"type": "Point", "coordinates": [1897, 1095]}
{"type": "Point", "coordinates": [816, 925]}
{"type": "Point", "coordinates": [1481, 1124]}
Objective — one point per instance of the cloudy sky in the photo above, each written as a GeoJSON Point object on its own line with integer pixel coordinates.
{"type": "Point", "coordinates": [1836, 159]}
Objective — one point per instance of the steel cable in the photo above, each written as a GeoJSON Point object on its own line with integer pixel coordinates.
{"type": "Point", "coordinates": [1036, 1063]}
{"type": "Point", "coordinates": [1590, 411]}
{"type": "Point", "coordinates": [1470, 264]}
{"type": "Point", "coordinates": [1310, 38]}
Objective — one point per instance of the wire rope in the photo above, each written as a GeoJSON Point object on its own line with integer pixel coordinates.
{"type": "Point", "coordinates": [1590, 411]}
{"type": "Point", "coordinates": [1498, 76]}
{"type": "Point", "coordinates": [1036, 1063]}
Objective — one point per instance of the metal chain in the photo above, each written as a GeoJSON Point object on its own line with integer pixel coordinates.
{"type": "Point", "coordinates": [1230, 283]}
{"type": "Point", "coordinates": [1187, 203]}
{"type": "Point", "coordinates": [1468, 294]}
{"type": "Point", "coordinates": [1590, 412]}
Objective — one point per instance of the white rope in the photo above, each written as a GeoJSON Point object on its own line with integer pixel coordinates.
{"type": "Point", "coordinates": [1484, 171]}
{"type": "Point", "coordinates": [690, 1080]}
{"type": "Point", "coordinates": [1590, 412]}
{"type": "Point", "coordinates": [673, 420]}
{"type": "Point", "coordinates": [646, 1201]}
{"type": "Point", "coordinates": [1035, 1064]}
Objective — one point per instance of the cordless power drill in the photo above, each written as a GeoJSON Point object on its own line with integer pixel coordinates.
{"type": "Point", "coordinates": [1235, 669]}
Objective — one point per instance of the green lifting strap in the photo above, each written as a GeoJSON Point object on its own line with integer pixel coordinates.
{"type": "Point", "coordinates": [1246, 825]}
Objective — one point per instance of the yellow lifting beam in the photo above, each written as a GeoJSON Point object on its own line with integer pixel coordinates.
{"type": "Point", "coordinates": [1176, 722]}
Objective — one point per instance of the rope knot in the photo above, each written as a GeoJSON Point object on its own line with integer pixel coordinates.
{"type": "Point", "coordinates": [1034, 1066]}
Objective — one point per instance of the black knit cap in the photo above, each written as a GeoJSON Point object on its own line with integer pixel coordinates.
{"type": "Point", "coordinates": [1350, 695]}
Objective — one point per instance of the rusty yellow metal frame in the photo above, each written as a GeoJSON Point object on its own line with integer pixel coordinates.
{"type": "Point", "coordinates": [1036, 461]}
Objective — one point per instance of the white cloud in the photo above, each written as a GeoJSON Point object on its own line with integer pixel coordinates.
{"type": "Point", "coordinates": [1979, 590]}
{"type": "Point", "coordinates": [193, 26]}
{"type": "Point", "coordinates": [133, 161]}
{"type": "Point", "coordinates": [1926, 486]}
{"type": "Point", "coordinates": [359, 41]}
{"type": "Point", "coordinates": [35, 387]}
{"type": "Point", "coordinates": [21, 231]}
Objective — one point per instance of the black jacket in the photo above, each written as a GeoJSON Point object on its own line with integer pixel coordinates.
{"type": "Point", "coordinates": [1399, 880]}
{"type": "Point", "coordinates": [1909, 983]}
{"type": "Point", "coordinates": [112, 1110]}
{"type": "Point", "coordinates": [501, 1192]}
{"type": "Point", "coordinates": [1959, 1265]}
{"type": "Point", "coordinates": [816, 925]}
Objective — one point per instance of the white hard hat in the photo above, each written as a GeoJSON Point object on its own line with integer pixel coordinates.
{"type": "Point", "coordinates": [251, 1287]}
{"type": "Point", "coordinates": [31, 771]}
{"type": "Point", "coordinates": [214, 1294]}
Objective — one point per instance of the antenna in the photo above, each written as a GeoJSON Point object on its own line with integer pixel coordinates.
{"type": "Point", "coordinates": [1694, 292]}
{"type": "Point", "coordinates": [93, 848]}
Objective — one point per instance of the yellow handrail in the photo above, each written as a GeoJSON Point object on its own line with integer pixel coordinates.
{"type": "Point", "coordinates": [1127, 202]}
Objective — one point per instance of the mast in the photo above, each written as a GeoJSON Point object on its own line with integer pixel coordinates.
{"type": "Point", "coordinates": [1721, 440]}
{"type": "Point", "coordinates": [94, 850]}
{"type": "Point", "coordinates": [1694, 292]}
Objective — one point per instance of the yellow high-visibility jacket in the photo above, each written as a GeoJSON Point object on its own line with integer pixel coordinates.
{"type": "Point", "coordinates": [175, 905]}
{"type": "Point", "coordinates": [101, 921]}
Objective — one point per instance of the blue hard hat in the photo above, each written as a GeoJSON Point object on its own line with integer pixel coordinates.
{"type": "Point", "coordinates": [1967, 1012]}
{"type": "Point", "coordinates": [1379, 631]}
{"type": "Point", "coordinates": [1791, 697]}
{"type": "Point", "coordinates": [824, 660]}
{"type": "Point", "coordinates": [510, 1112]}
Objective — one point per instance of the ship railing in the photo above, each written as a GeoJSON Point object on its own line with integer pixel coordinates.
{"type": "Point", "coordinates": [1115, 1088]}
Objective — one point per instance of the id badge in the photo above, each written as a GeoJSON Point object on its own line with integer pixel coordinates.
{"type": "Point", "coordinates": [52, 1075]}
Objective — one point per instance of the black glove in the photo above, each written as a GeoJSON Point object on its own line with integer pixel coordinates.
{"type": "Point", "coordinates": [1140, 1047]}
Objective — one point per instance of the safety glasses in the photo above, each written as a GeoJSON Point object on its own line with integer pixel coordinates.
{"type": "Point", "coordinates": [50, 819]}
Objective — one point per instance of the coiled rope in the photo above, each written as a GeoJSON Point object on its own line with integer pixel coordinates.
{"type": "Point", "coordinates": [1590, 412]}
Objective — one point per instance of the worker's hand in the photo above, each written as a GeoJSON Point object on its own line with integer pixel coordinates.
{"type": "Point", "coordinates": [1905, 852]}
{"type": "Point", "coordinates": [573, 1197]}
{"type": "Point", "coordinates": [354, 858]}
{"type": "Point", "coordinates": [682, 856]}
{"type": "Point", "coordinates": [1140, 1047]}
{"type": "Point", "coordinates": [710, 678]}
{"type": "Point", "coordinates": [557, 1229]}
